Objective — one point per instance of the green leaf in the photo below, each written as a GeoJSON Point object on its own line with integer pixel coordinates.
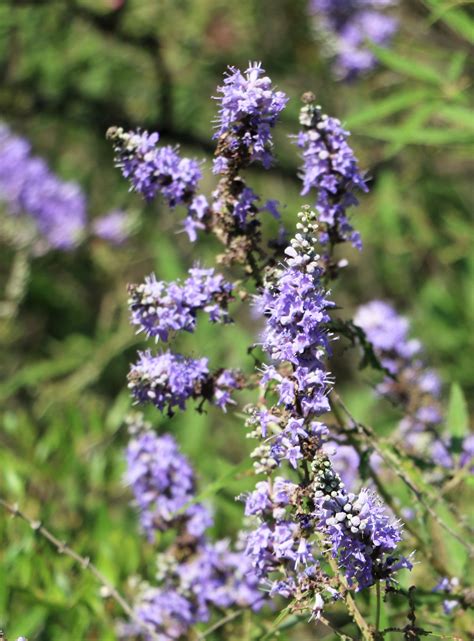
{"type": "Point", "coordinates": [457, 419]}
{"type": "Point", "coordinates": [457, 19]}
{"type": "Point", "coordinates": [458, 116]}
{"type": "Point", "coordinates": [388, 106]}
{"type": "Point", "coordinates": [456, 66]}
{"type": "Point", "coordinates": [406, 66]}
{"type": "Point", "coordinates": [425, 136]}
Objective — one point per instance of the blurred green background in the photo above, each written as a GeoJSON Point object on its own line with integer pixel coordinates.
{"type": "Point", "coordinates": [71, 69]}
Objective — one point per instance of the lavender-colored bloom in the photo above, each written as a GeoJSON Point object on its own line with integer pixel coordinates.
{"type": "Point", "coordinates": [283, 546]}
{"type": "Point", "coordinates": [159, 308]}
{"type": "Point", "coordinates": [389, 334]}
{"type": "Point", "coordinates": [347, 25]}
{"type": "Point", "coordinates": [163, 483]}
{"type": "Point", "coordinates": [152, 169]}
{"type": "Point", "coordinates": [195, 574]}
{"type": "Point", "coordinates": [113, 227]}
{"type": "Point", "coordinates": [331, 169]}
{"type": "Point", "coordinates": [363, 536]}
{"type": "Point", "coordinates": [248, 109]}
{"type": "Point", "coordinates": [295, 307]}
{"type": "Point", "coordinates": [415, 389]}
{"type": "Point", "coordinates": [166, 611]}
{"type": "Point", "coordinates": [28, 187]}
{"type": "Point", "coordinates": [214, 576]}
{"type": "Point", "coordinates": [169, 380]}
{"type": "Point", "coordinates": [244, 207]}
{"type": "Point", "coordinates": [440, 453]}
{"type": "Point", "coordinates": [194, 221]}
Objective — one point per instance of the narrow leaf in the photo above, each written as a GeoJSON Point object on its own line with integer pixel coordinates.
{"type": "Point", "coordinates": [407, 66]}
{"type": "Point", "coordinates": [457, 419]}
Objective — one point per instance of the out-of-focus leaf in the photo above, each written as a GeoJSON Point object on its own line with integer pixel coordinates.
{"type": "Point", "coordinates": [426, 136]}
{"type": "Point", "coordinates": [455, 17]}
{"type": "Point", "coordinates": [460, 116]}
{"type": "Point", "coordinates": [407, 66]}
{"type": "Point", "coordinates": [388, 106]}
{"type": "Point", "coordinates": [457, 419]}
{"type": "Point", "coordinates": [456, 66]}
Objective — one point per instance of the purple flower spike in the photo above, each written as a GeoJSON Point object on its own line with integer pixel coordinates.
{"type": "Point", "coordinates": [347, 25]}
{"type": "Point", "coordinates": [28, 187]}
{"type": "Point", "coordinates": [169, 380]}
{"type": "Point", "coordinates": [153, 170]}
{"type": "Point", "coordinates": [159, 308]}
{"type": "Point", "coordinates": [195, 574]}
{"type": "Point", "coordinates": [413, 387]}
{"type": "Point", "coordinates": [329, 168]}
{"type": "Point", "coordinates": [363, 536]}
{"type": "Point", "coordinates": [163, 482]}
{"type": "Point", "coordinates": [248, 109]}
{"type": "Point", "coordinates": [282, 547]}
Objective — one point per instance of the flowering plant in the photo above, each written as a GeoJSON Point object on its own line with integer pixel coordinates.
{"type": "Point", "coordinates": [316, 534]}
{"type": "Point", "coordinates": [321, 540]}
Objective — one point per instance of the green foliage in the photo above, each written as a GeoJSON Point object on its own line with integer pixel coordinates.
{"type": "Point", "coordinates": [71, 69]}
{"type": "Point", "coordinates": [457, 417]}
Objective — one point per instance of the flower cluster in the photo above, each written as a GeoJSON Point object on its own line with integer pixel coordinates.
{"type": "Point", "coordinates": [169, 380]}
{"type": "Point", "coordinates": [412, 386]}
{"type": "Point", "coordinates": [302, 510]}
{"type": "Point", "coordinates": [347, 26]}
{"type": "Point", "coordinates": [195, 574]}
{"type": "Point", "coordinates": [295, 519]}
{"type": "Point", "coordinates": [29, 188]}
{"type": "Point", "coordinates": [248, 109]}
{"type": "Point", "coordinates": [153, 169]}
{"type": "Point", "coordinates": [163, 484]}
{"type": "Point", "coordinates": [362, 535]}
{"type": "Point", "coordinates": [159, 308]}
{"type": "Point", "coordinates": [330, 168]}
{"type": "Point", "coordinates": [296, 311]}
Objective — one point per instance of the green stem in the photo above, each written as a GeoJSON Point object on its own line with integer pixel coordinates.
{"type": "Point", "coordinates": [379, 604]}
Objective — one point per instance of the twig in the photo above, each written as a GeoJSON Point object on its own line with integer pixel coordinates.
{"type": "Point", "coordinates": [84, 562]}
{"type": "Point", "coordinates": [16, 284]}
{"type": "Point", "coordinates": [351, 605]}
{"type": "Point", "coordinates": [378, 611]}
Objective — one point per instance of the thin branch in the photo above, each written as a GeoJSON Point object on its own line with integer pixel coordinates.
{"type": "Point", "coordinates": [351, 605]}
{"type": "Point", "coordinates": [378, 612]}
{"type": "Point", "coordinates": [84, 562]}
{"type": "Point", "coordinates": [16, 284]}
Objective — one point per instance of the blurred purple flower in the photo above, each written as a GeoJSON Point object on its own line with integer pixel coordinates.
{"type": "Point", "coordinates": [348, 25]}
{"type": "Point", "coordinates": [113, 227]}
{"type": "Point", "coordinates": [28, 187]}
